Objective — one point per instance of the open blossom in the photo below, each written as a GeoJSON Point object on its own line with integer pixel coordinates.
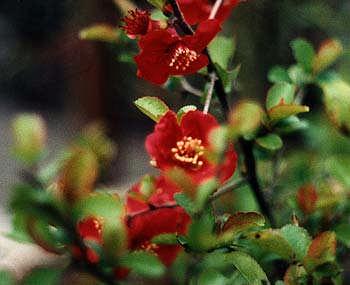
{"type": "Point", "coordinates": [164, 53]}
{"type": "Point", "coordinates": [138, 23]}
{"type": "Point", "coordinates": [158, 215]}
{"type": "Point", "coordinates": [185, 144]}
{"type": "Point", "coordinates": [196, 11]}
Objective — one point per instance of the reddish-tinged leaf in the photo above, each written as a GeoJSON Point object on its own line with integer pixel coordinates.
{"type": "Point", "coordinates": [280, 112]}
{"type": "Point", "coordinates": [321, 250]}
{"type": "Point", "coordinates": [330, 50]}
{"type": "Point", "coordinates": [243, 220]}
{"type": "Point", "coordinates": [307, 198]}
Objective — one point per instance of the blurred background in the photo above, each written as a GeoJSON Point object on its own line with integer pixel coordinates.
{"type": "Point", "coordinates": [45, 68]}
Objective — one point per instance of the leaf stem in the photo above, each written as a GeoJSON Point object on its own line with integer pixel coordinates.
{"type": "Point", "coordinates": [227, 188]}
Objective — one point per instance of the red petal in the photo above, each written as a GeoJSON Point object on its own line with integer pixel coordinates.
{"type": "Point", "coordinates": [143, 227]}
{"type": "Point", "coordinates": [195, 11]}
{"type": "Point", "coordinates": [198, 125]}
{"type": "Point", "coordinates": [206, 31]}
{"type": "Point", "coordinates": [193, 67]}
{"type": "Point", "coordinates": [164, 194]}
{"type": "Point", "coordinates": [90, 228]}
{"type": "Point", "coordinates": [227, 169]}
{"type": "Point", "coordinates": [159, 144]}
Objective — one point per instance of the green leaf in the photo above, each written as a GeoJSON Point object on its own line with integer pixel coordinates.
{"type": "Point", "coordinates": [298, 238]}
{"type": "Point", "coordinates": [184, 110]}
{"type": "Point", "coordinates": [284, 111]}
{"type": "Point", "coordinates": [328, 53]}
{"type": "Point", "coordinates": [47, 276]}
{"type": "Point", "coordinates": [273, 241]}
{"type": "Point", "coordinates": [343, 233]}
{"type": "Point", "coordinates": [289, 125]}
{"type": "Point", "coordinates": [168, 239]}
{"type": "Point", "coordinates": [143, 263]}
{"type": "Point", "coordinates": [211, 277]}
{"type": "Point", "coordinates": [6, 278]}
{"type": "Point", "coordinates": [29, 138]}
{"type": "Point", "coordinates": [278, 74]}
{"type": "Point", "coordinates": [337, 100]}
{"type": "Point", "coordinates": [200, 234]}
{"type": "Point", "coordinates": [304, 53]}
{"type": "Point", "coordinates": [299, 76]}
{"type": "Point", "coordinates": [157, 3]}
{"type": "Point", "coordinates": [185, 202]}
{"type": "Point", "coordinates": [110, 209]}
{"type": "Point", "coordinates": [270, 142]}
{"type": "Point", "coordinates": [228, 76]}
{"type": "Point", "coordinates": [152, 107]}
{"type": "Point", "coordinates": [204, 191]}
{"type": "Point", "coordinates": [221, 50]}
{"type": "Point", "coordinates": [280, 94]}
{"type": "Point", "coordinates": [247, 266]}
{"type": "Point", "coordinates": [245, 119]}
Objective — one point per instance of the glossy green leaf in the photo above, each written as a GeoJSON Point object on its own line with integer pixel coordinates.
{"type": "Point", "coordinates": [228, 76]}
{"type": "Point", "coordinates": [278, 74]}
{"type": "Point", "coordinates": [299, 76]}
{"type": "Point", "coordinates": [284, 111]}
{"type": "Point", "coordinates": [280, 94]}
{"type": "Point", "coordinates": [304, 53]}
{"type": "Point", "coordinates": [143, 263]}
{"type": "Point", "coordinates": [247, 267]}
{"type": "Point", "coordinates": [298, 238]}
{"type": "Point", "coordinates": [270, 142]}
{"type": "Point", "coordinates": [337, 100]}
{"type": "Point", "coordinates": [211, 277]}
{"type": "Point", "coordinates": [221, 50]}
{"type": "Point", "coordinates": [273, 241]}
{"type": "Point", "coordinates": [152, 107]}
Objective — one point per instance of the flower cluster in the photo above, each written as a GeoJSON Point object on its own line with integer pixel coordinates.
{"type": "Point", "coordinates": [151, 209]}
{"type": "Point", "coordinates": [164, 50]}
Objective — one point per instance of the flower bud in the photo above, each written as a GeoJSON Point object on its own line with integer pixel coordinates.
{"type": "Point", "coordinates": [29, 137]}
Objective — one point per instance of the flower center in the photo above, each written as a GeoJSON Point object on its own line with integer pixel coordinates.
{"type": "Point", "coordinates": [189, 151]}
{"type": "Point", "coordinates": [182, 57]}
{"type": "Point", "coordinates": [149, 246]}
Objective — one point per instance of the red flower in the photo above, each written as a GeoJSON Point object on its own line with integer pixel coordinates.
{"type": "Point", "coordinates": [196, 11]}
{"type": "Point", "coordinates": [158, 215]}
{"type": "Point", "coordinates": [138, 23]}
{"type": "Point", "coordinates": [89, 229]}
{"type": "Point", "coordinates": [145, 226]}
{"type": "Point", "coordinates": [164, 53]}
{"type": "Point", "coordinates": [162, 195]}
{"type": "Point", "coordinates": [184, 145]}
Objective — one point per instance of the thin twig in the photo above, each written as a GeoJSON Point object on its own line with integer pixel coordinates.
{"type": "Point", "coordinates": [213, 78]}
{"type": "Point", "coordinates": [215, 9]}
{"type": "Point", "coordinates": [228, 188]}
{"type": "Point", "coordinates": [189, 88]}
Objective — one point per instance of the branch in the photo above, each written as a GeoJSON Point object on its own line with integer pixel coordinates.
{"type": "Point", "coordinates": [189, 88]}
{"type": "Point", "coordinates": [250, 165]}
{"type": "Point", "coordinates": [227, 188]}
